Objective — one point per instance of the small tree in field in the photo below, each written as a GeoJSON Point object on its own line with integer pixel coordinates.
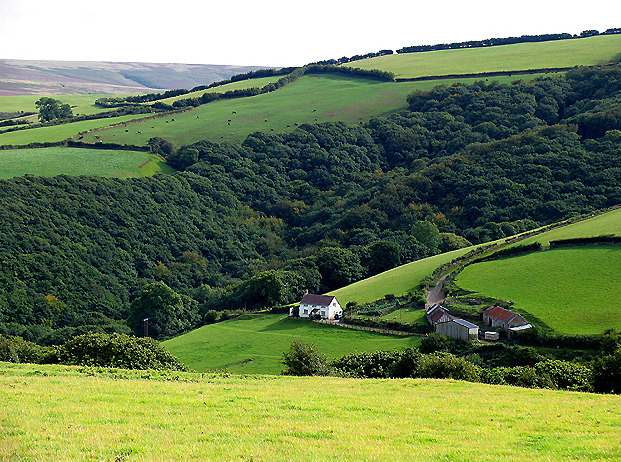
{"type": "Point", "coordinates": [304, 359]}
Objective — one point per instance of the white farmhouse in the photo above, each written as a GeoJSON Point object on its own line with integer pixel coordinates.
{"type": "Point", "coordinates": [325, 306]}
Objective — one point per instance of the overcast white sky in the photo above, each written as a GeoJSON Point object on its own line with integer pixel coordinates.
{"type": "Point", "coordinates": [273, 32]}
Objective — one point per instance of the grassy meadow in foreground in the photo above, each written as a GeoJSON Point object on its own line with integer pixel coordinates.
{"type": "Point", "coordinates": [59, 413]}
{"type": "Point", "coordinates": [588, 51]}
{"type": "Point", "coordinates": [574, 290]}
{"type": "Point", "coordinates": [263, 338]}
{"type": "Point", "coordinates": [80, 161]}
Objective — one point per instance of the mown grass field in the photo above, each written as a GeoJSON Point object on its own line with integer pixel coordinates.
{"type": "Point", "coordinates": [574, 290]}
{"type": "Point", "coordinates": [264, 337]}
{"type": "Point", "coordinates": [80, 161]}
{"type": "Point", "coordinates": [588, 51]}
{"type": "Point", "coordinates": [68, 413]}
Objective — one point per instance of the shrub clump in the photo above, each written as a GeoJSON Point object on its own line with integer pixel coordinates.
{"type": "Point", "coordinates": [18, 350]}
{"type": "Point", "coordinates": [117, 350]}
{"type": "Point", "coordinates": [303, 359]}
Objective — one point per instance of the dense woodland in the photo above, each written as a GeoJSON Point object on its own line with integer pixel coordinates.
{"type": "Point", "coordinates": [252, 225]}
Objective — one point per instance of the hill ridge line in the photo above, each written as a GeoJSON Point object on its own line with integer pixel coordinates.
{"type": "Point", "coordinates": [484, 74]}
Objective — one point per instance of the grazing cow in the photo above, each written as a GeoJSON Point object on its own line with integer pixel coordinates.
{"type": "Point", "coordinates": [296, 124]}
{"type": "Point", "coordinates": [288, 126]}
{"type": "Point", "coordinates": [314, 110]}
{"type": "Point", "coordinates": [234, 112]}
{"type": "Point", "coordinates": [266, 120]}
{"type": "Point", "coordinates": [138, 131]}
{"type": "Point", "coordinates": [97, 137]}
{"type": "Point", "coordinates": [229, 120]}
{"type": "Point", "coordinates": [81, 137]}
{"type": "Point", "coordinates": [152, 126]}
{"type": "Point", "coordinates": [167, 121]}
{"type": "Point", "coordinates": [173, 120]}
{"type": "Point", "coordinates": [126, 131]}
{"type": "Point", "coordinates": [271, 129]}
{"type": "Point", "coordinates": [197, 117]}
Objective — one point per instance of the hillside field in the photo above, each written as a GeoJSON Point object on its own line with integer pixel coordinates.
{"type": "Point", "coordinates": [80, 161]}
{"type": "Point", "coordinates": [573, 290]}
{"type": "Point", "coordinates": [80, 104]}
{"type": "Point", "coordinates": [397, 281]}
{"type": "Point", "coordinates": [310, 99]}
{"type": "Point", "coordinates": [61, 132]}
{"type": "Point", "coordinates": [588, 51]}
{"type": "Point", "coordinates": [264, 337]}
{"type": "Point", "coordinates": [602, 224]}
{"type": "Point", "coordinates": [70, 413]}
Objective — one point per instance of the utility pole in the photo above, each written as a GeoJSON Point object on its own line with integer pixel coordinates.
{"type": "Point", "coordinates": [146, 326]}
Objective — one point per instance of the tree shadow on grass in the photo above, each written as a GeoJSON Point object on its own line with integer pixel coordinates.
{"type": "Point", "coordinates": [290, 324]}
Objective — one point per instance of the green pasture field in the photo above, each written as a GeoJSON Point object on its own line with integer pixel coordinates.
{"type": "Point", "coordinates": [80, 161]}
{"type": "Point", "coordinates": [310, 99]}
{"type": "Point", "coordinates": [588, 51]}
{"type": "Point", "coordinates": [264, 338]}
{"type": "Point", "coordinates": [573, 290]}
{"type": "Point", "coordinates": [397, 281]}
{"type": "Point", "coordinates": [240, 85]}
{"type": "Point", "coordinates": [606, 223]}
{"type": "Point", "coordinates": [80, 104]}
{"type": "Point", "coordinates": [71, 413]}
{"type": "Point", "coordinates": [62, 132]}
{"type": "Point", "coordinates": [410, 315]}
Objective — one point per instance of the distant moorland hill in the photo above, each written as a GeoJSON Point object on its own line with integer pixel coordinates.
{"type": "Point", "coordinates": [19, 77]}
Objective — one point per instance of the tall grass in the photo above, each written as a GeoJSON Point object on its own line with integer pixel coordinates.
{"type": "Point", "coordinates": [63, 414]}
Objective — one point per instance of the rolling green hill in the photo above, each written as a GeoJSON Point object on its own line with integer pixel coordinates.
{"type": "Point", "coordinates": [311, 99]}
{"type": "Point", "coordinates": [588, 51]}
{"type": "Point", "coordinates": [254, 344]}
{"type": "Point", "coordinates": [572, 290]}
{"type": "Point", "coordinates": [56, 133]}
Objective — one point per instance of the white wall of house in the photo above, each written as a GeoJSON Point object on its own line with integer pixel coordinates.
{"type": "Point", "coordinates": [325, 311]}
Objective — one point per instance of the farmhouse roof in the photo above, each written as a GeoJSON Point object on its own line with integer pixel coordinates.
{"type": "Point", "coordinates": [498, 312]}
{"type": "Point", "coordinates": [320, 300]}
{"type": "Point", "coordinates": [435, 307]}
{"type": "Point", "coordinates": [439, 315]}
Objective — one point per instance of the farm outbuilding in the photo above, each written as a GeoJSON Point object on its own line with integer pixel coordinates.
{"type": "Point", "coordinates": [496, 316]}
{"type": "Point", "coordinates": [458, 329]}
{"type": "Point", "coordinates": [436, 314]}
{"type": "Point", "coordinates": [325, 306]}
